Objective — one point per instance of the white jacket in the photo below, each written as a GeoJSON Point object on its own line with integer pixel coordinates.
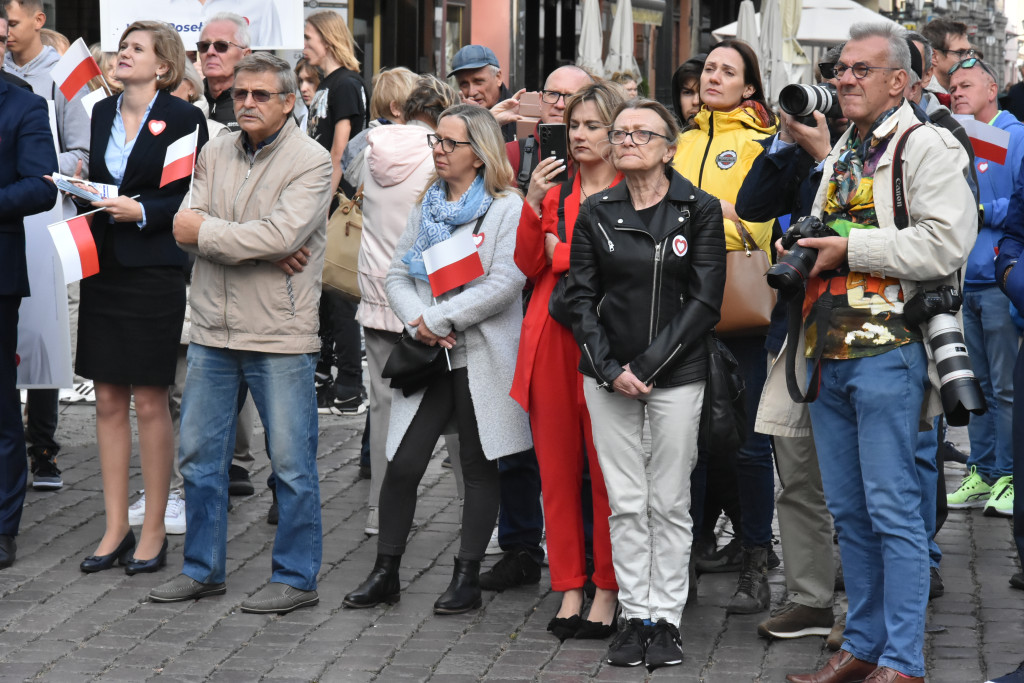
{"type": "Point", "coordinates": [925, 254]}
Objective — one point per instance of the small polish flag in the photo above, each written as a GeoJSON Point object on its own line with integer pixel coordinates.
{"type": "Point", "coordinates": [76, 248]}
{"type": "Point", "coordinates": [989, 142]}
{"type": "Point", "coordinates": [75, 69]}
{"type": "Point", "coordinates": [452, 263]}
{"type": "Point", "coordinates": [180, 158]}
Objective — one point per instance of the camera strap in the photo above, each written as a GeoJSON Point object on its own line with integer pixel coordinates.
{"type": "Point", "coordinates": [899, 194]}
{"type": "Point", "coordinates": [794, 315]}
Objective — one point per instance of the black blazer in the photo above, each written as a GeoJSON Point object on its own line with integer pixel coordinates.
{"type": "Point", "coordinates": [154, 244]}
{"type": "Point", "coordinates": [26, 155]}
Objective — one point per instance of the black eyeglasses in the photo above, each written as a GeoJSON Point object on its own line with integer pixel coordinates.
{"type": "Point", "coordinates": [971, 63]}
{"type": "Point", "coordinates": [960, 54]}
{"type": "Point", "coordinates": [221, 46]}
{"type": "Point", "coordinates": [639, 137]}
{"type": "Point", "coordinates": [552, 96]}
{"type": "Point", "coordinates": [447, 144]}
{"type": "Point", "coordinates": [827, 70]}
{"type": "Point", "coordinates": [860, 69]}
{"type": "Point", "coordinates": [258, 96]}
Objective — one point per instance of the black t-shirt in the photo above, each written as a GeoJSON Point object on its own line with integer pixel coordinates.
{"type": "Point", "coordinates": [222, 109]}
{"type": "Point", "coordinates": [341, 95]}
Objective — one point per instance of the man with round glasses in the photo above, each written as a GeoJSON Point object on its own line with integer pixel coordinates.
{"type": "Point", "coordinates": [221, 45]}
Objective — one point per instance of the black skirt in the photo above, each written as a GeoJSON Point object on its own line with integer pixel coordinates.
{"type": "Point", "coordinates": [129, 324]}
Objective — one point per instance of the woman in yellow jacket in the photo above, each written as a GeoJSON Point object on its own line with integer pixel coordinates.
{"type": "Point", "coordinates": [716, 155]}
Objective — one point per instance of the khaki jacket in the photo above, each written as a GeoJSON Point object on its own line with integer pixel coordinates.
{"type": "Point", "coordinates": [257, 212]}
{"type": "Point", "coordinates": [925, 254]}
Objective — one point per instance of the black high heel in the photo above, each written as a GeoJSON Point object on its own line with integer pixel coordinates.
{"type": "Point", "coordinates": [565, 628]}
{"type": "Point", "coordinates": [98, 563]}
{"type": "Point", "coordinates": [134, 566]}
{"type": "Point", "coordinates": [595, 630]}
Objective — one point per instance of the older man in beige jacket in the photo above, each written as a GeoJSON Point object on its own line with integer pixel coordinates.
{"type": "Point", "coordinates": [257, 223]}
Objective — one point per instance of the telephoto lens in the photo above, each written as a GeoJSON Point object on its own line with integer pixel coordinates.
{"type": "Point", "coordinates": [801, 101]}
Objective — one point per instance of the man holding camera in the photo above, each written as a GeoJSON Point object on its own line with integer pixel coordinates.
{"type": "Point", "coordinates": [868, 361]}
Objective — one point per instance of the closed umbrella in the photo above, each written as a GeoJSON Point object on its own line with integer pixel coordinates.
{"type": "Point", "coordinates": [620, 45]}
{"type": "Point", "coordinates": [746, 24]}
{"type": "Point", "coordinates": [797, 65]}
{"type": "Point", "coordinates": [589, 49]}
{"type": "Point", "coordinates": [773, 67]}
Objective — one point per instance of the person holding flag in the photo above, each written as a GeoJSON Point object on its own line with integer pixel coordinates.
{"type": "Point", "coordinates": [454, 282]}
{"type": "Point", "coordinates": [144, 141]}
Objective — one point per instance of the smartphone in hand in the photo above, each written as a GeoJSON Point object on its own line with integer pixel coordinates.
{"type": "Point", "coordinates": [553, 143]}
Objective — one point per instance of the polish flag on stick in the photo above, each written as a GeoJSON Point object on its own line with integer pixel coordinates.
{"type": "Point", "coordinates": [180, 159]}
{"type": "Point", "coordinates": [452, 263]}
{"type": "Point", "coordinates": [989, 142]}
{"type": "Point", "coordinates": [76, 248]}
{"type": "Point", "coordinates": [75, 69]}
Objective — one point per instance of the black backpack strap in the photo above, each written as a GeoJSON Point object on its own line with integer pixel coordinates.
{"type": "Point", "coordinates": [527, 162]}
{"type": "Point", "coordinates": [565, 191]}
{"type": "Point", "coordinates": [899, 191]}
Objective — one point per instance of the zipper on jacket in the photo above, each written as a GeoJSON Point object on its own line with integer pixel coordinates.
{"type": "Point", "coordinates": [611, 245]}
{"type": "Point", "coordinates": [252, 162]}
{"type": "Point", "coordinates": [599, 303]}
{"type": "Point", "coordinates": [711, 136]}
{"type": "Point", "coordinates": [650, 380]}
{"type": "Point", "coordinates": [654, 292]}
{"type": "Point", "coordinates": [597, 375]}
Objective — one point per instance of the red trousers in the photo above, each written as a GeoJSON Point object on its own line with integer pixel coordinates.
{"type": "Point", "coordinates": [561, 435]}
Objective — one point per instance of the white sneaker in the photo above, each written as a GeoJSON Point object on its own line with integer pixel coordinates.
{"type": "Point", "coordinates": [87, 391]}
{"type": "Point", "coordinates": [492, 547]}
{"type": "Point", "coordinates": [137, 511]}
{"type": "Point", "coordinates": [69, 396]}
{"type": "Point", "coordinates": [174, 516]}
{"type": "Point", "coordinates": [372, 527]}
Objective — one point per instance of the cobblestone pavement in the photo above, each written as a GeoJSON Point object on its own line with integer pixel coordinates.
{"type": "Point", "coordinates": [58, 624]}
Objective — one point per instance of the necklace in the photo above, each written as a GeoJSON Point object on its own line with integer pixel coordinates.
{"type": "Point", "coordinates": [584, 192]}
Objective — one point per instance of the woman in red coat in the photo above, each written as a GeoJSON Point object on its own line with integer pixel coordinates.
{"type": "Point", "coordinates": [547, 383]}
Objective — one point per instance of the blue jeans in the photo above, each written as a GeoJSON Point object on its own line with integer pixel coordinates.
{"type": "Point", "coordinates": [866, 432]}
{"type": "Point", "coordinates": [282, 388]}
{"type": "Point", "coordinates": [928, 471]}
{"type": "Point", "coordinates": [521, 517]}
{"type": "Point", "coordinates": [992, 342]}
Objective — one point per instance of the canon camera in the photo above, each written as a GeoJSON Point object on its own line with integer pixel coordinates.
{"type": "Point", "coordinates": [791, 272]}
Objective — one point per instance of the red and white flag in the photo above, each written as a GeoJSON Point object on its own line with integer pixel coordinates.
{"type": "Point", "coordinates": [75, 69]}
{"type": "Point", "coordinates": [452, 263]}
{"type": "Point", "coordinates": [989, 142]}
{"type": "Point", "coordinates": [180, 158]}
{"type": "Point", "coordinates": [76, 248]}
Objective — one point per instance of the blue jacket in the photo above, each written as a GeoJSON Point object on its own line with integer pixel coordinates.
{"type": "Point", "coordinates": [996, 185]}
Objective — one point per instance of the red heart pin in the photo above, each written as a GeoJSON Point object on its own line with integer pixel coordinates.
{"type": "Point", "coordinates": [478, 239]}
{"type": "Point", "coordinates": [157, 127]}
{"type": "Point", "coordinates": [679, 245]}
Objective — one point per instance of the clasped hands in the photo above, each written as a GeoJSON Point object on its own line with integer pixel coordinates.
{"type": "Point", "coordinates": [425, 336]}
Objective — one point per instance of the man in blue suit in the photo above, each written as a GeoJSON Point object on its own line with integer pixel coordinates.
{"type": "Point", "coordinates": [26, 146]}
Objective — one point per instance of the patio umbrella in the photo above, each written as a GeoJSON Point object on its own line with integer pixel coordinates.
{"type": "Point", "coordinates": [746, 24]}
{"type": "Point", "coordinates": [620, 45]}
{"type": "Point", "coordinates": [773, 67]}
{"type": "Point", "coordinates": [589, 49]}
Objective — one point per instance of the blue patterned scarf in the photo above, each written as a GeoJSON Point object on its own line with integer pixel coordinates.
{"type": "Point", "coordinates": [438, 217]}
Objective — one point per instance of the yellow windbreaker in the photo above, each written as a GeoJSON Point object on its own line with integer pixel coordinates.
{"type": "Point", "coordinates": [716, 157]}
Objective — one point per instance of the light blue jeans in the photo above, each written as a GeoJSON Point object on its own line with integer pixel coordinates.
{"type": "Point", "coordinates": [992, 342]}
{"type": "Point", "coordinates": [866, 433]}
{"type": "Point", "coordinates": [282, 388]}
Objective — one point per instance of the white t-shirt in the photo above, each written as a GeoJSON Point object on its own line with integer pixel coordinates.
{"type": "Point", "coordinates": [188, 16]}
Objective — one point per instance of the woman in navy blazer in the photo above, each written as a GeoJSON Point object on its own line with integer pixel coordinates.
{"type": "Point", "coordinates": [132, 311]}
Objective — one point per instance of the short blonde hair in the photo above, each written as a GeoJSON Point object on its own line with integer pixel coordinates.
{"type": "Point", "coordinates": [58, 41]}
{"type": "Point", "coordinates": [488, 144]}
{"type": "Point", "coordinates": [168, 48]}
{"type": "Point", "coordinates": [336, 36]}
{"type": "Point", "coordinates": [391, 86]}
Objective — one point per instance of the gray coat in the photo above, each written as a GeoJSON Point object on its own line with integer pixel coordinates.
{"type": "Point", "coordinates": [487, 317]}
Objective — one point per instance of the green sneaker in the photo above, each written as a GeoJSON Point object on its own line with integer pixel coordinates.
{"type": "Point", "coordinates": [1001, 502]}
{"type": "Point", "coordinates": [973, 492]}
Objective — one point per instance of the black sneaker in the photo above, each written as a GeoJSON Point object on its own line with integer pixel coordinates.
{"type": "Point", "coordinates": [348, 401]}
{"type": "Point", "coordinates": [515, 568]}
{"type": "Point", "coordinates": [272, 514]}
{"type": "Point", "coordinates": [664, 646]}
{"type": "Point", "coordinates": [324, 395]}
{"type": "Point", "coordinates": [239, 483]}
{"type": "Point", "coordinates": [936, 589]}
{"type": "Point", "coordinates": [45, 474]}
{"type": "Point", "coordinates": [629, 645]}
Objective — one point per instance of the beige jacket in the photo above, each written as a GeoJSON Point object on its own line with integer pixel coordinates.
{"type": "Point", "coordinates": [925, 254]}
{"type": "Point", "coordinates": [257, 212]}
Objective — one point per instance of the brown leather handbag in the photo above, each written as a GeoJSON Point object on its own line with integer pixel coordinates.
{"type": "Point", "coordinates": [748, 301]}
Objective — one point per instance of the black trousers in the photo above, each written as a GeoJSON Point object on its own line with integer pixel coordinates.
{"type": "Point", "coordinates": [13, 462]}
{"type": "Point", "coordinates": [446, 398]}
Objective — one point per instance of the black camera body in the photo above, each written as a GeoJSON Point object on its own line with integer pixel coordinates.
{"type": "Point", "coordinates": [791, 272]}
{"type": "Point", "coordinates": [935, 311]}
{"type": "Point", "coordinates": [801, 101]}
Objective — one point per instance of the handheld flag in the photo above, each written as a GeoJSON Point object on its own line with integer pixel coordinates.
{"type": "Point", "coordinates": [180, 158]}
{"type": "Point", "coordinates": [452, 263]}
{"type": "Point", "coordinates": [75, 69]}
{"type": "Point", "coordinates": [989, 142]}
{"type": "Point", "coordinates": [76, 248]}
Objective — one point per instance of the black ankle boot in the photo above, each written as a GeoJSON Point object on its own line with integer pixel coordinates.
{"type": "Point", "coordinates": [463, 592]}
{"type": "Point", "coordinates": [381, 585]}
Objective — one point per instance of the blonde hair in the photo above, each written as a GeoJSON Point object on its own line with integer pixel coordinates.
{"type": "Point", "coordinates": [489, 146]}
{"type": "Point", "coordinates": [58, 41]}
{"type": "Point", "coordinates": [606, 96]}
{"type": "Point", "coordinates": [336, 36]}
{"type": "Point", "coordinates": [103, 60]}
{"type": "Point", "coordinates": [391, 86]}
{"type": "Point", "coordinates": [168, 48]}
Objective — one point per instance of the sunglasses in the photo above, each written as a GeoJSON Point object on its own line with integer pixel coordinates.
{"type": "Point", "coordinates": [258, 96]}
{"type": "Point", "coordinates": [970, 63]}
{"type": "Point", "coordinates": [3, 40]}
{"type": "Point", "coordinates": [827, 70]}
{"type": "Point", "coordinates": [221, 46]}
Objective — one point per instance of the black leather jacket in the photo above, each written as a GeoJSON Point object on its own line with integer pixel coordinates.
{"type": "Point", "coordinates": [647, 296]}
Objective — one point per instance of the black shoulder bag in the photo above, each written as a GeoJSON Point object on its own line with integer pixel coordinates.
{"type": "Point", "coordinates": [723, 416]}
{"type": "Point", "coordinates": [558, 305]}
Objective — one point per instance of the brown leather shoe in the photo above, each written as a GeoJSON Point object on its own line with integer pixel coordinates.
{"type": "Point", "coordinates": [884, 674]}
{"type": "Point", "coordinates": [842, 667]}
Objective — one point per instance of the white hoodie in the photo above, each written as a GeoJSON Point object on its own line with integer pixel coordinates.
{"type": "Point", "coordinates": [399, 164]}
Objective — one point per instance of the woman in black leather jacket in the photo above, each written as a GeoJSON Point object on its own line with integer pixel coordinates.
{"type": "Point", "coordinates": [645, 288]}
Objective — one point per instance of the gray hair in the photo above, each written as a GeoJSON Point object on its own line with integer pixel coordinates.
{"type": "Point", "coordinates": [265, 62]}
{"type": "Point", "coordinates": [193, 77]}
{"type": "Point", "coordinates": [895, 35]}
{"type": "Point", "coordinates": [242, 36]}
{"type": "Point", "coordinates": [928, 50]}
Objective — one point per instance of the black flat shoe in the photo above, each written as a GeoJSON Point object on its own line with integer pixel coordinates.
{"type": "Point", "coordinates": [595, 630]}
{"type": "Point", "coordinates": [565, 628]}
{"type": "Point", "coordinates": [134, 566]}
{"type": "Point", "coordinates": [98, 563]}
